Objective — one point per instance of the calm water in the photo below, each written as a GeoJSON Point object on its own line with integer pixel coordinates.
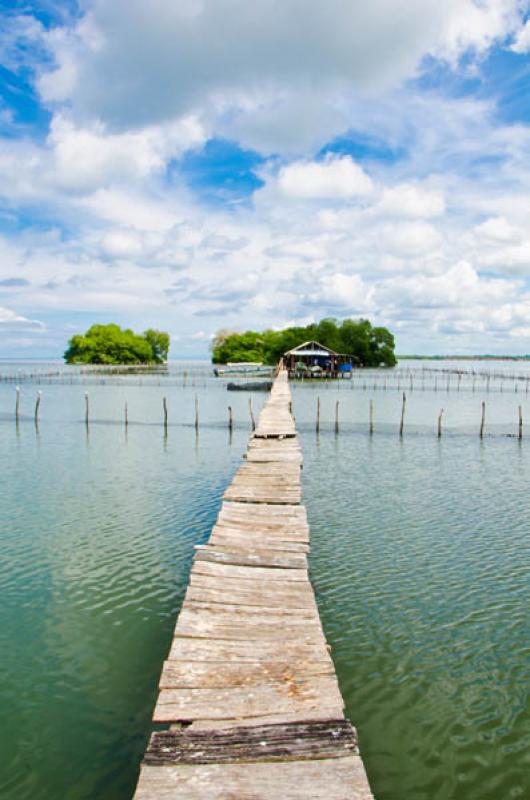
{"type": "Point", "coordinates": [420, 562]}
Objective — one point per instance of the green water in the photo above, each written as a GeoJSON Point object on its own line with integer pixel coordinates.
{"type": "Point", "coordinates": [420, 562]}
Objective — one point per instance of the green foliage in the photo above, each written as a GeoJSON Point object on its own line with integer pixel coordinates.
{"type": "Point", "coordinates": [159, 342]}
{"type": "Point", "coordinates": [371, 346]}
{"type": "Point", "coordinates": [110, 344]}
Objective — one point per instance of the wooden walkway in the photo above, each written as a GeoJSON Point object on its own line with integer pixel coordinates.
{"type": "Point", "coordinates": [248, 695]}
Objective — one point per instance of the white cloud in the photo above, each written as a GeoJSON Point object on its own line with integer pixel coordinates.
{"type": "Point", "coordinates": [279, 72]}
{"type": "Point", "coordinates": [336, 177]}
{"type": "Point", "coordinates": [522, 40]}
{"type": "Point", "coordinates": [408, 200]}
{"type": "Point", "coordinates": [411, 238]}
{"type": "Point", "coordinates": [12, 322]}
{"type": "Point", "coordinates": [498, 230]}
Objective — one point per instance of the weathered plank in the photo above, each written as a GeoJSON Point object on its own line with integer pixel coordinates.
{"type": "Point", "coordinates": [201, 674]}
{"type": "Point", "coordinates": [306, 695]}
{"type": "Point", "coordinates": [184, 648]}
{"type": "Point", "coordinates": [203, 622]}
{"type": "Point", "coordinates": [237, 541]}
{"type": "Point", "coordinates": [252, 558]}
{"type": "Point", "coordinates": [322, 779]}
{"type": "Point", "coordinates": [263, 593]}
{"type": "Point", "coordinates": [289, 588]}
{"type": "Point", "coordinates": [294, 741]}
{"type": "Point", "coordinates": [260, 573]}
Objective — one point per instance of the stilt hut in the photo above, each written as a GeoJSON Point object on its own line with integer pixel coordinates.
{"type": "Point", "coordinates": [314, 360]}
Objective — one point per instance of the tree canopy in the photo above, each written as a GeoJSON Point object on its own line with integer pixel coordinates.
{"type": "Point", "coordinates": [110, 344]}
{"type": "Point", "coordinates": [372, 346]}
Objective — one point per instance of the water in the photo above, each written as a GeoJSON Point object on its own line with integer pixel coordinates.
{"type": "Point", "coordinates": [420, 562]}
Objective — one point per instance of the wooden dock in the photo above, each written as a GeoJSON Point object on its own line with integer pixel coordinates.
{"type": "Point", "coordinates": [249, 695]}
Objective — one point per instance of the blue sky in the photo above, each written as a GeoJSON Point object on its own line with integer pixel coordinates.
{"type": "Point", "coordinates": [203, 164]}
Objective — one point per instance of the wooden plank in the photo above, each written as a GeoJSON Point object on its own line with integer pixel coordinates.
{"type": "Point", "coordinates": [215, 622]}
{"type": "Point", "coordinates": [282, 515]}
{"type": "Point", "coordinates": [293, 741]}
{"type": "Point", "coordinates": [222, 650]}
{"type": "Point", "coordinates": [263, 494]}
{"type": "Point", "coordinates": [260, 573]}
{"type": "Point", "coordinates": [296, 696]}
{"type": "Point", "coordinates": [286, 587]}
{"type": "Point", "coordinates": [251, 597]}
{"type": "Point", "coordinates": [322, 779]}
{"type": "Point", "coordinates": [201, 674]}
{"type": "Point", "coordinates": [237, 541]}
{"type": "Point", "coordinates": [230, 610]}
{"type": "Point", "coordinates": [231, 509]}
{"type": "Point", "coordinates": [252, 558]}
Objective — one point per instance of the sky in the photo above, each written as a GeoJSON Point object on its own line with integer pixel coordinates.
{"type": "Point", "coordinates": [193, 165]}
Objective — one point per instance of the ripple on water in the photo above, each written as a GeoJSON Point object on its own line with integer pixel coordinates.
{"type": "Point", "coordinates": [420, 560]}
{"type": "Point", "coordinates": [97, 540]}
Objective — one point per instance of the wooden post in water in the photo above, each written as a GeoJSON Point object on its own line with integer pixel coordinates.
{"type": "Point", "coordinates": [440, 423]}
{"type": "Point", "coordinates": [252, 420]}
{"type": "Point", "coordinates": [17, 405]}
{"type": "Point", "coordinates": [402, 414]}
{"type": "Point", "coordinates": [87, 411]}
{"type": "Point", "coordinates": [126, 416]}
{"type": "Point", "coordinates": [164, 404]}
{"type": "Point", "coordinates": [520, 422]}
{"type": "Point", "coordinates": [337, 417]}
{"type": "Point", "coordinates": [230, 419]}
{"type": "Point", "coordinates": [482, 420]}
{"type": "Point", "coordinates": [318, 415]}
{"type": "Point", "coordinates": [196, 414]}
{"type": "Point", "coordinates": [37, 407]}
{"type": "Point", "coordinates": [371, 417]}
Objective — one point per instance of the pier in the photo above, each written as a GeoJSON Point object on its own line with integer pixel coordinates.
{"type": "Point", "coordinates": [249, 701]}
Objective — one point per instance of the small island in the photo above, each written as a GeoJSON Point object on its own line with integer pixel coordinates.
{"type": "Point", "coordinates": [110, 344]}
{"type": "Point", "coordinates": [369, 346]}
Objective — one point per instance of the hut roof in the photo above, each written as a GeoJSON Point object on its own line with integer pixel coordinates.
{"type": "Point", "coordinates": [311, 349]}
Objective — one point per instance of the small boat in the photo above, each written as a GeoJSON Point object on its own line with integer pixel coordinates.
{"type": "Point", "coordinates": [243, 368]}
{"type": "Point", "coordinates": [250, 386]}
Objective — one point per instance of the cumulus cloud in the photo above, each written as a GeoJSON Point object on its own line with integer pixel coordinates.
{"type": "Point", "coordinates": [498, 230]}
{"type": "Point", "coordinates": [171, 55]}
{"type": "Point", "coordinates": [333, 178]}
{"type": "Point", "coordinates": [521, 43]}
{"type": "Point", "coordinates": [11, 322]}
{"type": "Point", "coordinates": [409, 200]}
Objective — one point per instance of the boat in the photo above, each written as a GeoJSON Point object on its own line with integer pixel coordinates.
{"type": "Point", "coordinates": [243, 368]}
{"type": "Point", "coordinates": [250, 386]}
